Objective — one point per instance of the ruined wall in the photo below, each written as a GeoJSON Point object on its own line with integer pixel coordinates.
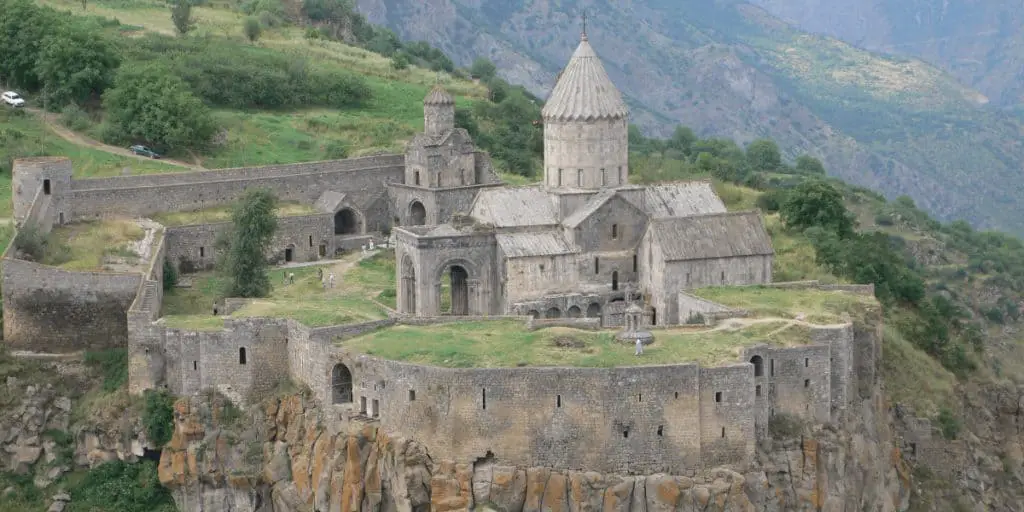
{"type": "Point", "coordinates": [193, 248]}
{"type": "Point", "coordinates": [54, 310]}
{"type": "Point", "coordinates": [145, 195]}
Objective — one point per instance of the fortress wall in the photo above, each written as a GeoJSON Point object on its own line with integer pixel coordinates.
{"type": "Point", "coordinates": [840, 341]}
{"type": "Point", "coordinates": [795, 381]}
{"type": "Point", "coordinates": [40, 214]}
{"type": "Point", "coordinates": [193, 247]}
{"type": "Point", "coordinates": [238, 173]}
{"type": "Point", "coordinates": [136, 197]}
{"type": "Point", "coordinates": [544, 416]}
{"type": "Point", "coordinates": [151, 361]}
{"type": "Point", "coordinates": [30, 176]}
{"type": "Point", "coordinates": [867, 354]}
{"type": "Point", "coordinates": [726, 416]}
{"type": "Point", "coordinates": [55, 310]}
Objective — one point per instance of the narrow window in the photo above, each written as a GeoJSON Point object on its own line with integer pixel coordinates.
{"type": "Point", "coordinates": [807, 362]}
{"type": "Point", "coordinates": [46, 187]}
{"type": "Point", "coordinates": [718, 396]}
{"type": "Point", "coordinates": [615, 280]}
{"type": "Point", "coordinates": [241, 355]}
{"type": "Point", "coordinates": [677, 395]}
{"type": "Point", "coordinates": [807, 383]}
{"type": "Point", "coordinates": [771, 367]}
{"type": "Point", "coordinates": [412, 395]}
{"type": "Point", "coordinates": [615, 231]}
{"type": "Point", "coordinates": [195, 365]}
{"type": "Point", "coordinates": [604, 177]}
{"type": "Point", "coordinates": [483, 394]}
{"type": "Point", "coordinates": [559, 177]}
{"type": "Point", "coordinates": [660, 430]}
{"type": "Point", "coordinates": [625, 433]}
{"type": "Point", "coordinates": [558, 400]}
{"type": "Point", "coordinates": [687, 279]}
{"type": "Point", "coordinates": [542, 267]}
{"type": "Point", "coordinates": [579, 178]}
{"type": "Point", "coordinates": [597, 265]}
{"type": "Point", "coordinates": [60, 219]}
{"type": "Point", "coordinates": [723, 277]}
{"type": "Point", "coordinates": [723, 432]}
{"type": "Point", "coordinates": [416, 177]}
{"type": "Point", "coordinates": [634, 263]}
{"type": "Point", "coordinates": [376, 408]}
{"type": "Point", "coordinates": [757, 390]}
{"type": "Point", "coordinates": [311, 240]}
{"type": "Point", "coordinates": [202, 252]}
{"type": "Point", "coordinates": [362, 405]}
{"type": "Point", "coordinates": [622, 176]}
{"type": "Point", "coordinates": [640, 398]}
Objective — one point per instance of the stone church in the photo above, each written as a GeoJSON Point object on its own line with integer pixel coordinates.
{"type": "Point", "coordinates": [574, 244]}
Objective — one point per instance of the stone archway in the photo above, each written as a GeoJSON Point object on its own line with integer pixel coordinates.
{"type": "Point", "coordinates": [408, 284]}
{"type": "Point", "coordinates": [758, 365]}
{"type": "Point", "coordinates": [417, 214]}
{"type": "Point", "coordinates": [574, 312]}
{"type": "Point", "coordinates": [594, 310]}
{"type": "Point", "coordinates": [553, 312]}
{"type": "Point", "coordinates": [341, 384]}
{"type": "Point", "coordinates": [533, 313]}
{"type": "Point", "coordinates": [346, 222]}
{"type": "Point", "coordinates": [455, 290]}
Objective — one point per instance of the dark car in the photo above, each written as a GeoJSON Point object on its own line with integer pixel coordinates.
{"type": "Point", "coordinates": [144, 151]}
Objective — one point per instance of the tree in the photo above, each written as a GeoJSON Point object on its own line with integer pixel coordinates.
{"type": "Point", "coordinates": [75, 63]}
{"type": "Point", "coordinates": [23, 27]}
{"type": "Point", "coordinates": [254, 224]}
{"type": "Point", "coordinates": [816, 203]}
{"type": "Point", "coordinates": [483, 69]}
{"type": "Point", "coordinates": [148, 103]}
{"type": "Point", "coordinates": [763, 155]}
{"type": "Point", "coordinates": [682, 140]}
{"type": "Point", "coordinates": [400, 60]}
{"type": "Point", "coordinates": [806, 164]}
{"type": "Point", "coordinates": [251, 28]}
{"type": "Point", "coordinates": [181, 15]}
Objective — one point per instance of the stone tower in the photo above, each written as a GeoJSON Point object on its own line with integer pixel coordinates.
{"type": "Point", "coordinates": [586, 127]}
{"type": "Point", "coordinates": [438, 112]}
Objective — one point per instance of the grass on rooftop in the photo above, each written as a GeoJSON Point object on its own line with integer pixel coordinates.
{"type": "Point", "coordinates": [223, 214]}
{"type": "Point", "coordinates": [89, 246]}
{"type": "Point", "coordinates": [306, 301]}
{"type": "Point", "coordinates": [819, 306]}
{"type": "Point", "coordinates": [507, 343]}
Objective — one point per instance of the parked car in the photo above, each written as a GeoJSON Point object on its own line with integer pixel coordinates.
{"type": "Point", "coordinates": [13, 99]}
{"type": "Point", "coordinates": [144, 151]}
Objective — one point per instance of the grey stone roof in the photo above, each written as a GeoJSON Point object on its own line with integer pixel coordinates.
{"type": "Point", "coordinates": [521, 245]}
{"type": "Point", "coordinates": [438, 96]}
{"type": "Point", "coordinates": [514, 206]}
{"type": "Point", "coordinates": [588, 208]}
{"type": "Point", "coordinates": [719, 235]}
{"type": "Point", "coordinates": [682, 199]}
{"type": "Point", "coordinates": [330, 201]}
{"type": "Point", "coordinates": [584, 92]}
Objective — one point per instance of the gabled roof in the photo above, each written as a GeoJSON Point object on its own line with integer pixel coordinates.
{"type": "Point", "coordinates": [584, 92]}
{"type": "Point", "coordinates": [682, 199]}
{"type": "Point", "coordinates": [588, 208]}
{"type": "Point", "coordinates": [330, 201]}
{"type": "Point", "coordinates": [720, 235]}
{"type": "Point", "coordinates": [522, 245]}
{"type": "Point", "coordinates": [438, 96]}
{"type": "Point", "coordinates": [514, 206]}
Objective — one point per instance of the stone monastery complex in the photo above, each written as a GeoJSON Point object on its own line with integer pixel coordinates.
{"type": "Point", "coordinates": [583, 248]}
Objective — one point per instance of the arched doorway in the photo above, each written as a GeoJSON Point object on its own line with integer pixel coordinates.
{"type": "Point", "coordinates": [553, 313]}
{"type": "Point", "coordinates": [533, 313]}
{"type": "Point", "coordinates": [341, 385]}
{"type": "Point", "coordinates": [594, 310]}
{"type": "Point", "coordinates": [574, 312]}
{"type": "Point", "coordinates": [408, 284]}
{"type": "Point", "coordinates": [346, 222]}
{"type": "Point", "coordinates": [455, 291]}
{"type": "Point", "coordinates": [417, 214]}
{"type": "Point", "coordinates": [758, 365]}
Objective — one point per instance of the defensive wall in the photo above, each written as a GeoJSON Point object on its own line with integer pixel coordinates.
{"type": "Point", "coordinates": [678, 419]}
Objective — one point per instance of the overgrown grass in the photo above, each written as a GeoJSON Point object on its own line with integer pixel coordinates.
{"type": "Point", "coordinates": [87, 246]}
{"type": "Point", "coordinates": [819, 306]}
{"type": "Point", "coordinates": [223, 214]}
{"type": "Point", "coordinates": [912, 377]}
{"type": "Point", "coordinates": [507, 343]}
{"type": "Point", "coordinates": [794, 255]}
{"type": "Point", "coordinates": [112, 365]}
{"type": "Point", "coordinates": [305, 300]}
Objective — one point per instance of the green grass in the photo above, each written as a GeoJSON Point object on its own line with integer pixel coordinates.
{"type": "Point", "coordinates": [89, 246]}
{"type": "Point", "coordinates": [819, 306]}
{"type": "Point", "coordinates": [351, 301]}
{"type": "Point", "coordinates": [914, 378]}
{"type": "Point", "coordinates": [223, 214]}
{"type": "Point", "coordinates": [507, 343]}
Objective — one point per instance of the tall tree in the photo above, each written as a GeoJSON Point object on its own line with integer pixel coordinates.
{"type": "Point", "coordinates": [181, 15]}
{"type": "Point", "coordinates": [816, 203]}
{"type": "Point", "coordinates": [254, 224]}
{"type": "Point", "coordinates": [75, 63]}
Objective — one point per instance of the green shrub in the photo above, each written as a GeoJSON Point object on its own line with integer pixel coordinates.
{"type": "Point", "coordinates": [158, 417]}
{"type": "Point", "coordinates": [170, 276]}
{"type": "Point", "coordinates": [75, 118]}
{"type": "Point", "coordinates": [336, 150]}
{"type": "Point", "coordinates": [31, 242]}
{"type": "Point", "coordinates": [252, 28]}
{"type": "Point", "coordinates": [123, 487]}
{"type": "Point", "coordinates": [112, 364]}
{"type": "Point", "coordinates": [948, 423]}
{"type": "Point", "coordinates": [400, 61]}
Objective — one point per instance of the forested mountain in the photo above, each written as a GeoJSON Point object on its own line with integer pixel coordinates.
{"type": "Point", "coordinates": [733, 70]}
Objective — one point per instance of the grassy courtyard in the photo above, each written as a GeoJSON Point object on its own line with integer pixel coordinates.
{"type": "Point", "coordinates": [507, 343]}
{"type": "Point", "coordinates": [357, 284]}
{"type": "Point", "coordinates": [818, 306]}
{"type": "Point", "coordinates": [93, 246]}
{"type": "Point", "coordinates": [223, 214]}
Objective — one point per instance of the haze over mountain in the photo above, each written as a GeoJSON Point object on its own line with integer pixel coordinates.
{"type": "Point", "coordinates": [731, 69]}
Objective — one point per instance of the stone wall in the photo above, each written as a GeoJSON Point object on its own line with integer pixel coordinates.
{"type": "Point", "coordinates": [193, 247]}
{"type": "Point", "coordinates": [46, 176]}
{"type": "Point", "coordinates": [693, 309]}
{"type": "Point", "coordinates": [54, 310]}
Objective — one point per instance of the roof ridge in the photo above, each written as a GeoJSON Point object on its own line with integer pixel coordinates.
{"type": "Point", "coordinates": [755, 211]}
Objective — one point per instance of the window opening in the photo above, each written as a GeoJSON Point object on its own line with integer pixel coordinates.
{"type": "Point", "coordinates": [483, 395]}
{"type": "Point", "coordinates": [311, 240]}
{"type": "Point", "coordinates": [195, 365]}
{"type": "Point", "coordinates": [558, 400]}
{"type": "Point", "coordinates": [807, 362]}
{"type": "Point", "coordinates": [615, 231]}
{"type": "Point", "coordinates": [640, 397]}
{"type": "Point", "coordinates": [718, 396]}
{"type": "Point", "coordinates": [241, 355]}
{"type": "Point", "coordinates": [202, 252]}
{"type": "Point", "coordinates": [412, 395]}
{"type": "Point", "coordinates": [625, 433]}
{"type": "Point", "coordinates": [597, 265]}
{"type": "Point", "coordinates": [723, 432]}
{"type": "Point", "coordinates": [807, 383]}
{"type": "Point", "coordinates": [757, 390]}
{"type": "Point", "coordinates": [771, 368]}
{"type": "Point", "coordinates": [660, 429]}
{"type": "Point", "coordinates": [579, 178]}
{"type": "Point", "coordinates": [634, 263]}
{"type": "Point", "coordinates": [46, 187]}
{"type": "Point", "coordinates": [615, 280]}
{"type": "Point", "coordinates": [416, 177]}
{"type": "Point", "coordinates": [677, 395]}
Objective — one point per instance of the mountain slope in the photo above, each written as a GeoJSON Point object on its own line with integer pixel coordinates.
{"type": "Point", "coordinates": [731, 69]}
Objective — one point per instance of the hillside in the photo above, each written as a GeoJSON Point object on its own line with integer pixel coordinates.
{"type": "Point", "coordinates": [729, 69]}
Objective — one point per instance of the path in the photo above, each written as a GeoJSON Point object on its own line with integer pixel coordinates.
{"type": "Point", "coordinates": [51, 122]}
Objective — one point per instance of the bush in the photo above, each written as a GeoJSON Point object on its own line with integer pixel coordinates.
{"type": "Point", "coordinates": [771, 200]}
{"type": "Point", "coordinates": [336, 150]}
{"type": "Point", "coordinates": [251, 28]}
{"type": "Point", "coordinates": [158, 417]}
{"type": "Point", "coordinates": [75, 118]}
{"type": "Point", "coordinates": [123, 487]}
{"type": "Point", "coordinates": [112, 364]}
{"type": "Point", "coordinates": [170, 276]}
{"type": "Point", "coordinates": [399, 61]}
{"type": "Point", "coordinates": [31, 243]}
{"type": "Point", "coordinates": [948, 424]}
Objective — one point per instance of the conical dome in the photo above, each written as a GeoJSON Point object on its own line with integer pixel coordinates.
{"type": "Point", "coordinates": [584, 92]}
{"type": "Point", "coordinates": [438, 96]}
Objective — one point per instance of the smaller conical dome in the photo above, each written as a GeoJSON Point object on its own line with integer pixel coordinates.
{"type": "Point", "coordinates": [438, 96]}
